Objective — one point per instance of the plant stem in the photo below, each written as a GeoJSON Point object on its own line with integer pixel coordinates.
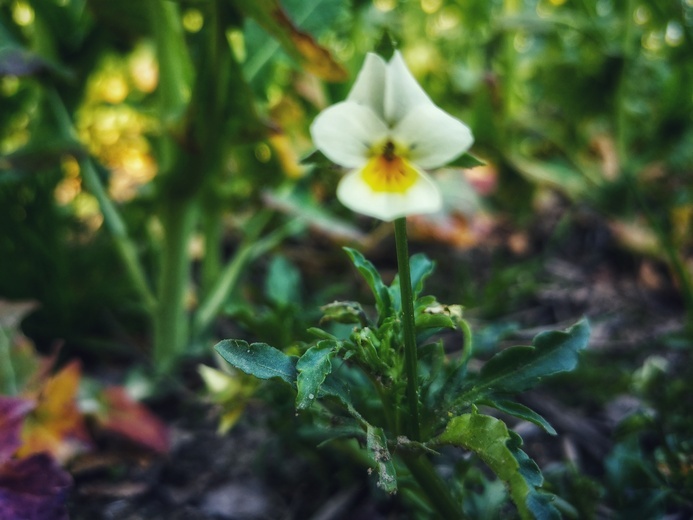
{"type": "Point", "coordinates": [410, 353]}
{"type": "Point", "coordinates": [210, 269]}
{"type": "Point", "coordinates": [170, 320]}
{"type": "Point", "coordinates": [113, 221]}
{"type": "Point", "coordinates": [438, 494]}
{"type": "Point", "coordinates": [622, 123]}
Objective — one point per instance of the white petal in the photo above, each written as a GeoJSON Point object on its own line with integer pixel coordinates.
{"type": "Point", "coordinates": [402, 92]}
{"type": "Point", "coordinates": [369, 87]}
{"type": "Point", "coordinates": [432, 135]}
{"type": "Point", "coordinates": [357, 195]}
{"type": "Point", "coordinates": [345, 132]}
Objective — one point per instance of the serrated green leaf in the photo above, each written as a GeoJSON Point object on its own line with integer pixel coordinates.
{"type": "Point", "coordinates": [344, 312]}
{"type": "Point", "coordinates": [382, 295]}
{"type": "Point", "coordinates": [433, 321]}
{"type": "Point", "coordinates": [258, 359]}
{"type": "Point", "coordinates": [334, 433]}
{"type": "Point", "coordinates": [528, 468]}
{"type": "Point", "coordinates": [518, 368]}
{"type": "Point", "coordinates": [376, 444]}
{"type": "Point", "coordinates": [313, 367]}
{"type": "Point", "coordinates": [520, 411]}
{"type": "Point", "coordinates": [320, 334]}
{"type": "Point", "coordinates": [333, 387]}
{"type": "Point", "coordinates": [490, 439]}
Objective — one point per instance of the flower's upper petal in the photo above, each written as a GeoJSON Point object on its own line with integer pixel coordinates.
{"type": "Point", "coordinates": [432, 136]}
{"type": "Point", "coordinates": [345, 132]}
{"type": "Point", "coordinates": [369, 87]}
{"type": "Point", "coordinates": [402, 92]}
{"type": "Point", "coordinates": [357, 195]}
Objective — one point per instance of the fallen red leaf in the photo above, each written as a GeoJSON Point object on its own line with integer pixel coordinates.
{"type": "Point", "coordinates": [130, 419]}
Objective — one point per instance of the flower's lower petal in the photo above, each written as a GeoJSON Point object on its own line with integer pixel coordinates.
{"type": "Point", "coordinates": [421, 197]}
{"type": "Point", "coordinates": [432, 136]}
{"type": "Point", "coordinates": [345, 132]}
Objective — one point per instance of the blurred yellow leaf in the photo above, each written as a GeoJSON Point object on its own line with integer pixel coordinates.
{"type": "Point", "coordinates": [286, 154]}
{"type": "Point", "coordinates": [230, 392]}
{"type": "Point", "coordinates": [56, 425]}
{"type": "Point", "coordinates": [682, 222]}
{"type": "Point", "coordinates": [636, 237]}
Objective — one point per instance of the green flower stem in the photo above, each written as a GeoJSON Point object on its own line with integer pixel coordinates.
{"type": "Point", "coordinates": [437, 492]}
{"type": "Point", "coordinates": [410, 353]}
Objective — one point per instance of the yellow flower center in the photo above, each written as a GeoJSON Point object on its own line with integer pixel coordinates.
{"type": "Point", "coordinates": [389, 171]}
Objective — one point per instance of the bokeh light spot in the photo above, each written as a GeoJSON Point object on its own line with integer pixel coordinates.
{"type": "Point", "coordinates": [9, 85]}
{"type": "Point", "coordinates": [23, 14]}
{"type": "Point", "coordinates": [385, 5]}
{"type": "Point", "coordinates": [115, 89]}
{"type": "Point", "coordinates": [653, 41]}
{"type": "Point", "coordinates": [641, 15]}
{"type": "Point", "coordinates": [237, 42]}
{"type": "Point", "coordinates": [263, 153]}
{"type": "Point", "coordinates": [431, 6]}
{"type": "Point", "coordinates": [144, 70]}
{"type": "Point", "coordinates": [71, 185]}
{"type": "Point", "coordinates": [193, 20]}
{"type": "Point", "coordinates": [674, 34]}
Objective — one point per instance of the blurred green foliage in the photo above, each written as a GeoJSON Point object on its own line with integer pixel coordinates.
{"type": "Point", "coordinates": [591, 98]}
{"type": "Point", "coordinates": [141, 141]}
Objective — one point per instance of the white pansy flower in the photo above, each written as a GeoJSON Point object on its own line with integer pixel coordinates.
{"type": "Point", "coordinates": [387, 132]}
